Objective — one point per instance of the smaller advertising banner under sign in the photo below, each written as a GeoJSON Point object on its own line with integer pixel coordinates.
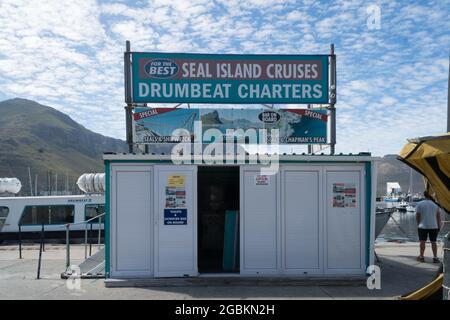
{"type": "Point", "coordinates": [175, 216]}
{"type": "Point", "coordinates": [296, 126]}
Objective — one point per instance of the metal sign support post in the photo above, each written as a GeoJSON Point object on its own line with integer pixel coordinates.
{"type": "Point", "coordinates": [310, 146]}
{"type": "Point", "coordinates": [128, 100]}
{"type": "Point", "coordinates": [332, 100]}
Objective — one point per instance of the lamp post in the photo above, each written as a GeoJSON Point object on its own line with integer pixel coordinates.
{"type": "Point", "coordinates": [446, 248]}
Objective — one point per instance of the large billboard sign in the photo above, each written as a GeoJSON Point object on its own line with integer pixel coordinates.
{"type": "Point", "coordinates": [158, 125]}
{"type": "Point", "coordinates": [237, 79]}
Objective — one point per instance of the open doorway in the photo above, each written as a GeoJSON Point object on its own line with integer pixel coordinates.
{"type": "Point", "coordinates": [218, 219]}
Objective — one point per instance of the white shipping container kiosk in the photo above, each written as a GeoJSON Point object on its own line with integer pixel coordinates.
{"type": "Point", "coordinates": [314, 218]}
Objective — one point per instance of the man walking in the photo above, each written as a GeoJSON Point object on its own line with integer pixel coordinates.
{"type": "Point", "coordinates": [429, 223]}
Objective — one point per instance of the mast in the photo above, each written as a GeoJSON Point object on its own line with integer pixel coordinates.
{"type": "Point", "coordinates": [448, 97]}
{"type": "Point", "coordinates": [67, 183]}
{"type": "Point", "coordinates": [31, 183]}
{"type": "Point", "coordinates": [410, 181]}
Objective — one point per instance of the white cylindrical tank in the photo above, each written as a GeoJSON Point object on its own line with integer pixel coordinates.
{"type": "Point", "coordinates": [10, 185]}
{"type": "Point", "coordinates": [92, 182]}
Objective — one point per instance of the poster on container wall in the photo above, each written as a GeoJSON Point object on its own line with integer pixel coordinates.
{"type": "Point", "coordinates": [344, 195]}
{"type": "Point", "coordinates": [175, 212]}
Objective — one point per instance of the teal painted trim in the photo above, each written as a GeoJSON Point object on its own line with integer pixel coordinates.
{"type": "Point", "coordinates": [231, 241]}
{"type": "Point", "coordinates": [224, 164]}
{"type": "Point", "coordinates": [107, 218]}
{"type": "Point", "coordinates": [136, 161]}
{"type": "Point", "coordinates": [313, 161]}
{"type": "Point", "coordinates": [368, 181]}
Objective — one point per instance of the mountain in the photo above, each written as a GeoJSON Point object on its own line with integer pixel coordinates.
{"type": "Point", "coordinates": [392, 170]}
{"type": "Point", "coordinates": [211, 118]}
{"type": "Point", "coordinates": [48, 142]}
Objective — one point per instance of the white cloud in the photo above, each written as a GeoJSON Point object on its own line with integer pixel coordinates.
{"type": "Point", "coordinates": [69, 54]}
{"type": "Point", "coordinates": [388, 101]}
{"type": "Point", "coordinates": [73, 21]}
{"type": "Point", "coordinates": [294, 15]}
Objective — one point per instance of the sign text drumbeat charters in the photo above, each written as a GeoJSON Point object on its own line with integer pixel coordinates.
{"type": "Point", "coordinates": [229, 78]}
{"type": "Point", "coordinates": [208, 90]}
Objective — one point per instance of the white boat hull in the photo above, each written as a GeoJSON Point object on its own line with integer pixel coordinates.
{"type": "Point", "coordinates": [16, 208]}
{"type": "Point", "coordinates": [381, 218]}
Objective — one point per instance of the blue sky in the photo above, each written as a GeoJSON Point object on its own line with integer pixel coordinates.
{"type": "Point", "coordinates": [392, 76]}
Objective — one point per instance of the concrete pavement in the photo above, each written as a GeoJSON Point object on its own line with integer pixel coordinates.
{"type": "Point", "coordinates": [400, 273]}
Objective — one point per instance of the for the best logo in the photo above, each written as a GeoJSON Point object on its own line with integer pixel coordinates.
{"type": "Point", "coordinates": [161, 68]}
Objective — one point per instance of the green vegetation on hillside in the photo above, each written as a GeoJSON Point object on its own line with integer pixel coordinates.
{"type": "Point", "coordinates": [46, 140]}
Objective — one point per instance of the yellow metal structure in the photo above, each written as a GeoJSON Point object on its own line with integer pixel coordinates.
{"type": "Point", "coordinates": [430, 156]}
{"type": "Point", "coordinates": [427, 291]}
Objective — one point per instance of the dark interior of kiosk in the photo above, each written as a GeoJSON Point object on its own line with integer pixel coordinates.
{"type": "Point", "coordinates": [218, 219]}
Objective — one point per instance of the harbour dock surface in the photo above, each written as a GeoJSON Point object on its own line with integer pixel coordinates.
{"type": "Point", "coordinates": [400, 274]}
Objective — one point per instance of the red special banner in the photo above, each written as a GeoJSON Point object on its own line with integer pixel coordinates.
{"type": "Point", "coordinates": [309, 113]}
{"type": "Point", "coordinates": [302, 112]}
{"type": "Point", "coordinates": [151, 112]}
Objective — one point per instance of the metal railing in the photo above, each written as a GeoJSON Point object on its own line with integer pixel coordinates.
{"type": "Point", "coordinates": [67, 226]}
{"type": "Point", "coordinates": [86, 222]}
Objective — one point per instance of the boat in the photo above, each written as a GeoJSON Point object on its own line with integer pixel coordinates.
{"type": "Point", "coordinates": [29, 214]}
{"type": "Point", "coordinates": [391, 199]}
{"type": "Point", "coordinates": [410, 205]}
{"type": "Point", "coordinates": [382, 216]}
{"type": "Point", "coordinates": [53, 212]}
{"type": "Point", "coordinates": [393, 191]}
{"type": "Point", "coordinates": [402, 206]}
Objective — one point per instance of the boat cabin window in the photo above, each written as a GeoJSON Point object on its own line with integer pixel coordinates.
{"type": "Point", "coordinates": [4, 211]}
{"type": "Point", "coordinates": [92, 210]}
{"type": "Point", "coordinates": [58, 214]}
